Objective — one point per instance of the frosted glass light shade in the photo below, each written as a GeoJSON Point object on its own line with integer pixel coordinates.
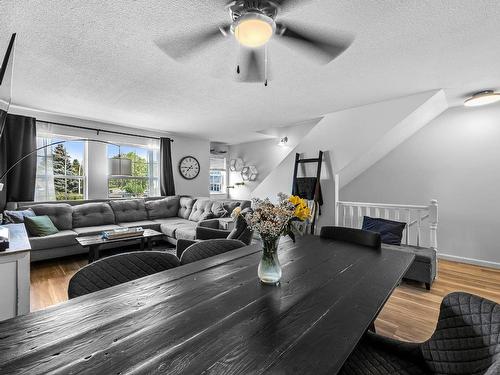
{"type": "Point", "coordinates": [482, 98]}
{"type": "Point", "coordinates": [254, 30]}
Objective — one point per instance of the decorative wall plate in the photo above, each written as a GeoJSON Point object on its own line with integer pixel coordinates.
{"type": "Point", "coordinates": [249, 173]}
{"type": "Point", "coordinates": [236, 165]}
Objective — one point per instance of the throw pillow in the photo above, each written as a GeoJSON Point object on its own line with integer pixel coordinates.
{"type": "Point", "coordinates": [240, 225]}
{"type": "Point", "coordinates": [218, 209]}
{"type": "Point", "coordinates": [390, 231]}
{"type": "Point", "coordinates": [40, 226]}
{"type": "Point", "coordinates": [17, 217]}
{"type": "Point", "coordinates": [230, 206]}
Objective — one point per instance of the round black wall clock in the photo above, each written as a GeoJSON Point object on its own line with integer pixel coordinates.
{"type": "Point", "coordinates": [189, 167]}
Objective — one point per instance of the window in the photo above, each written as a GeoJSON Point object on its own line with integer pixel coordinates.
{"type": "Point", "coordinates": [144, 180]}
{"type": "Point", "coordinates": [60, 173]}
{"type": "Point", "coordinates": [217, 182]}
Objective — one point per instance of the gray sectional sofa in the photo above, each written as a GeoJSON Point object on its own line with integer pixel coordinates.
{"type": "Point", "coordinates": [176, 217]}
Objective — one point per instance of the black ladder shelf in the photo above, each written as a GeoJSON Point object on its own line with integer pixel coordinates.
{"type": "Point", "coordinates": [316, 180]}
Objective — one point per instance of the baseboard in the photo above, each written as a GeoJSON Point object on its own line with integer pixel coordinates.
{"type": "Point", "coordinates": [476, 262]}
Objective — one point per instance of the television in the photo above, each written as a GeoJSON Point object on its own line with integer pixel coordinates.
{"type": "Point", "coordinates": [6, 82]}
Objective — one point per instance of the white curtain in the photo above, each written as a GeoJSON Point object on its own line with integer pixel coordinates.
{"type": "Point", "coordinates": [44, 186]}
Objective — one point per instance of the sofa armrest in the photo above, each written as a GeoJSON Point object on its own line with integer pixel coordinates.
{"type": "Point", "coordinates": [203, 233]}
{"type": "Point", "coordinates": [182, 245]}
{"type": "Point", "coordinates": [210, 223]}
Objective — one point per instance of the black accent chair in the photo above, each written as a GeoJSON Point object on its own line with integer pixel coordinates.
{"type": "Point", "coordinates": [355, 236]}
{"type": "Point", "coordinates": [118, 269]}
{"type": "Point", "coordinates": [466, 341]}
{"type": "Point", "coordinates": [209, 248]}
{"type": "Point", "coordinates": [209, 231]}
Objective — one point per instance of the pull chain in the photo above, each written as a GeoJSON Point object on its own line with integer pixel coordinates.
{"type": "Point", "coordinates": [265, 65]}
{"type": "Point", "coordinates": [239, 52]}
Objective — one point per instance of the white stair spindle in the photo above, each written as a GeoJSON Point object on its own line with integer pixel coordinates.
{"type": "Point", "coordinates": [351, 214]}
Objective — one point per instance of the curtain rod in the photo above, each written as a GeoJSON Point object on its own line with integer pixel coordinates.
{"type": "Point", "coordinates": [102, 130]}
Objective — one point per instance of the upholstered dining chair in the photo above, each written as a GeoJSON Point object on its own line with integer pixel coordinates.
{"type": "Point", "coordinates": [118, 269]}
{"type": "Point", "coordinates": [355, 236]}
{"type": "Point", "coordinates": [466, 341]}
{"type": "Point", "coordinates": [209, 248]}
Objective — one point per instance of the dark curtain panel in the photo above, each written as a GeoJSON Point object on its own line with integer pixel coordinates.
{"type": "Point", "coordinates": [18, 139]}
{"type": "Point", "coordinates": [167, 186]}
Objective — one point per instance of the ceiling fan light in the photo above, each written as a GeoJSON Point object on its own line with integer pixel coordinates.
{"type": "Point", "coordinates": [482, 98]}
{"type": "Point", "coordinates": [253, 30]}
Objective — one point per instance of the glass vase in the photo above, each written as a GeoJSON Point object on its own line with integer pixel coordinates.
{"type": "Point", "coordinates": [269, 270]}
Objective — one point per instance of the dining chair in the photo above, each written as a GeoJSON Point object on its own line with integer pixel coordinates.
{"type": "Point", "coordinates": [118, 269]}
{"type": "Point", "coordinates": [355, 236]}
{"type": "Point", "coordinates": [466, 341]}
{"type": "Point", "coordinates": [209, 248]}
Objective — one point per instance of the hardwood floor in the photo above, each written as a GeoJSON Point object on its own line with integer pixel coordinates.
{"type": "Point", "coordinates": [410, 314]}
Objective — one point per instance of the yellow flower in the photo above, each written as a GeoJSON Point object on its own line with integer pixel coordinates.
{"type": "Point", "coordinates": [294, 200]}
{"type": "Point", "coordinates": [302, 212]}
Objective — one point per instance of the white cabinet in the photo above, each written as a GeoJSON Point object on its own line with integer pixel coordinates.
{"type": "Point", "coordinates": [15, 274]}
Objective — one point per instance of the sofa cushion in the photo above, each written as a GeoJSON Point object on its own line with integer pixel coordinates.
{"type": "Point", "coordinates": [218, 209]}
{"type": "Point", "coordinates": [186, 232]}
{"type": "Point", "coordinates": [229, 206]}
{"type": "Point", "coordinates": [168, 226]}
{"type": "Point", "coordinates": [92, 214]}
{"type": "Point", "coordinates": [129, 210]}
{"type": "Point", "coordinates": [167, 207]}
{"type": "Point", "coordinates": [202, 210]}
{"type": "Point", "coordinates": [59, 239]}
{"type": "Point", "coordinates": [390, 231]}
{"type": "Point", "coordinates": [145, 224]}
{"type": "Point", "coordinates": [61, 214]}
{"type": "Point", "coordinates": [17, 217]}
{"type": "Point", "coordinates": [40, 226]}
{"type": "Point", "coordinates": [95, 230]}
{"type": "Point", "coordinates": [185, 207]}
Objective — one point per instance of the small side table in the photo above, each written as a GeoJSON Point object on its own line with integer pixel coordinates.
{"type": "Point", "coordinates": [15, 273]}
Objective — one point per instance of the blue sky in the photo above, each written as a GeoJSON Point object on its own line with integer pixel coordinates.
{"type": "Point", "coordinates": [76, 150]}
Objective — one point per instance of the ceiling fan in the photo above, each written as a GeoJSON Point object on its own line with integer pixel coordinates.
{"type": "Point", "coordinates": [253, 24]}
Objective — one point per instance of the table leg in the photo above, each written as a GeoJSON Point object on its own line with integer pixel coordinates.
{"type": "Point", "coordinates": [142, 244]}
{"type": "Point", "coordinates": [93, 253]}
{"type": "Point", "coordinates": [149, 244]}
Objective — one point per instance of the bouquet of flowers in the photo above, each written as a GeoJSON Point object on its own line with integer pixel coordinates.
{"type": "Point", "coordinates": [288, 217]}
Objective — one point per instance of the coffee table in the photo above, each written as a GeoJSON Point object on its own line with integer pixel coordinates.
{"type": "Point", "coordinates": [96, 241]}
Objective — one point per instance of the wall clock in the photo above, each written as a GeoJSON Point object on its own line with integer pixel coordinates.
{"type": "Point", "coordinates": [189, 167]}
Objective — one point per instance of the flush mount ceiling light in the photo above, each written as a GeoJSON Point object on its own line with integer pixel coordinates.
{"type": "Point", "coordinates": [253, 29]}
{"type": "Point", "coordinates": [482, 98]}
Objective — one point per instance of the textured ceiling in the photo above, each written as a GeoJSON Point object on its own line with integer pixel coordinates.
{"type": "Point", "coordinates": [99, 59]}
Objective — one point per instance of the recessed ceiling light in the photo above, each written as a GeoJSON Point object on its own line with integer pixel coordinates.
{"type": "Point", "coordinates": [253, 29]}
{"type": "Point", "coordinates": [482, 98]}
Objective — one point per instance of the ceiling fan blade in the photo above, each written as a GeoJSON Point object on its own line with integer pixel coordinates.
{"type": "Point", "coordinates": [287, 5]}
{"type": "Point", "coordinates": [252, 66]}
{"type": "Point", "coordinates": [184, 46]}
{"type": "Point", "coordinates": [319, 45]}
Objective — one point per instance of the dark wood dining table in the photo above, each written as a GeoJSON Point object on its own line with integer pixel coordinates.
{"type": "Point", "coordinates": [214, 317]}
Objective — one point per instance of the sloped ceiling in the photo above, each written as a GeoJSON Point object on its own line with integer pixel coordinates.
{"type": "Point", "coordinates": [98, 59]}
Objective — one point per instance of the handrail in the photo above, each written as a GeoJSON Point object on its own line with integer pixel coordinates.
{"type": "Point", "coordinates": [383, 205]}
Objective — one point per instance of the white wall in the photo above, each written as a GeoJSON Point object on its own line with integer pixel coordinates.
{"type": "Point", "coordinates": [343, 136]}
{"type": "Point", "coordinates": [455, 159]}
{"type": "Point", "coordinates": [200, 149]}
{"type": "Point", "coordinates": [266, 155]}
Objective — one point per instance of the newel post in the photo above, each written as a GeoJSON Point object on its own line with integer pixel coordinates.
{"type": "Point", "coordinates": [433, 224]}
{"type": "Point", "coordinates": [336, 197]}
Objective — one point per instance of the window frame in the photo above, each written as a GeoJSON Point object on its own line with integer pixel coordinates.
{"type": "Point", "coordinates": [224, 177]}
{"type": "Point", "coordinates": [47, 140]}
{"type": "Point", "coordinates": [153, 179]}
